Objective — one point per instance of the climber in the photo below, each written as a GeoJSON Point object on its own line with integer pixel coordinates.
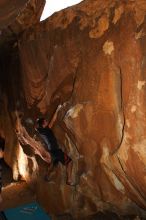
{"type": "Point", "coordinates": [2, 146]}
{"type": "Point", "coordinates": [43, 127]}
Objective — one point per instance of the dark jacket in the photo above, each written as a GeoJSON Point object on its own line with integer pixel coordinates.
{"type": "Point", "coordinates": [48, 137]}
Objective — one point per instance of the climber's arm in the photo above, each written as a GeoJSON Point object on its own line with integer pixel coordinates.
{"type": "Point", "coordinates": [50, 125]}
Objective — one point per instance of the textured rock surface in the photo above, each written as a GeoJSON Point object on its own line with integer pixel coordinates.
{"type": "Point", "coordinates": [17, 15]}
{"type": "Point", "coordinates": [91, 59]}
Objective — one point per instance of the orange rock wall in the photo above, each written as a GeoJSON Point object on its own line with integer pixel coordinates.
{"type": "Point", "coordinates": [91, 59]}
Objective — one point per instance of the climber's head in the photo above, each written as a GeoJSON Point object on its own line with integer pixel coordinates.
{"type": "Point", "coordinates": [41, 123]}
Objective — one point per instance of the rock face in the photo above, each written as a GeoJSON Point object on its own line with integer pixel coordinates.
{"type": "Point", "coordinates": [16, 16]}
{"type": "Point", "coordinates": [91, 59]}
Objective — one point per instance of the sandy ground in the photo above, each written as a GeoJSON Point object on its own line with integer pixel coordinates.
{"type": "Point", "coordinates": [14, 193]}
